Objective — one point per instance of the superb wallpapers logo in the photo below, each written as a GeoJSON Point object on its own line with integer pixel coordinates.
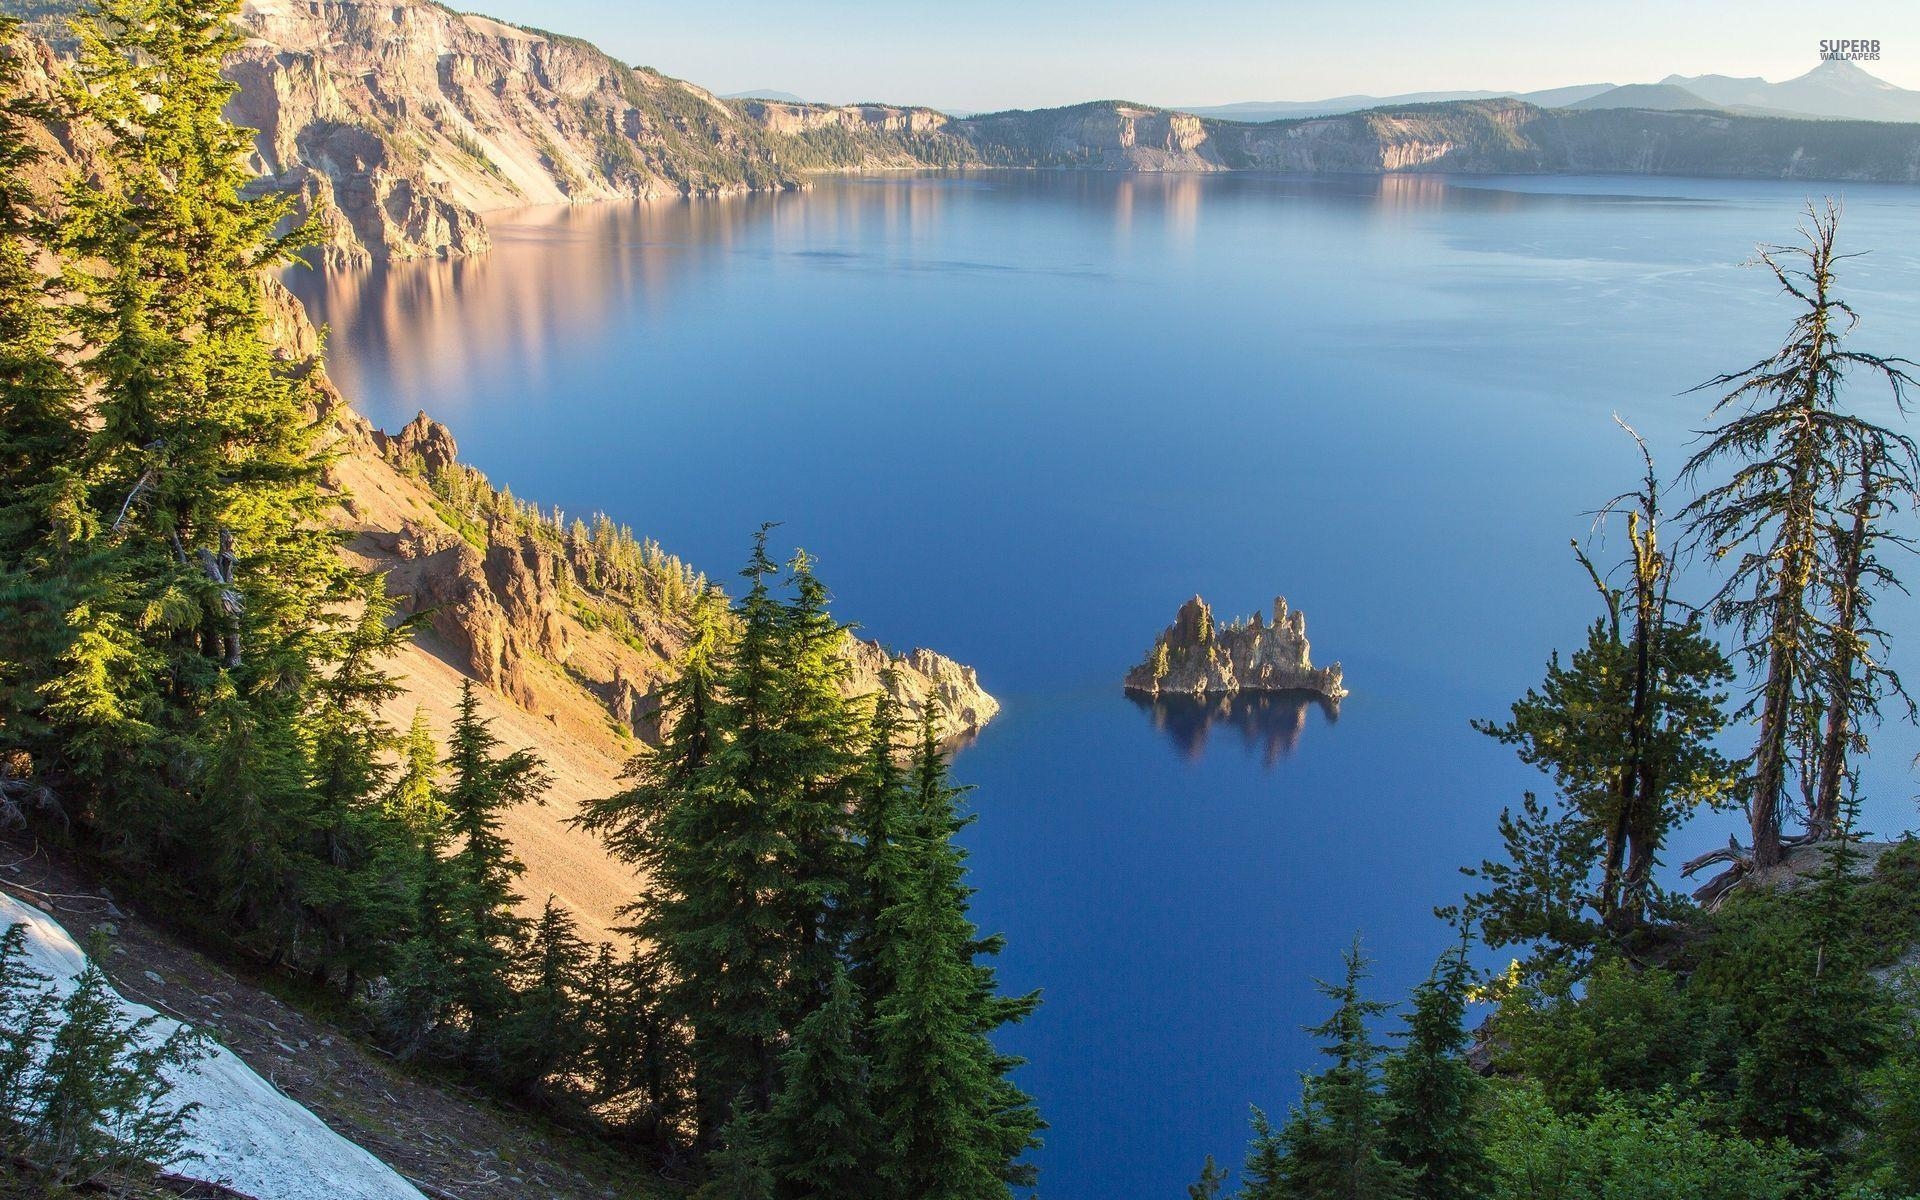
{"type": "Point", "coordinates": [1850, 50]}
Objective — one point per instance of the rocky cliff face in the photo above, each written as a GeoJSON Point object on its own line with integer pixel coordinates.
{"type": "Point", "coordinates": [1195, 656]}
{"type": "Point", "coordinates": [920, 678]}
{"type": "Point", "coordinates": [1105, 136]}
{"type": "Point", "coordinates": [537, 616]}
{"type": "Point", "coordinates": [410, 119]}
{"type": "Point", "coordinates": [812, 138]}
{"type": "Point", "coordinates": [401, 122]}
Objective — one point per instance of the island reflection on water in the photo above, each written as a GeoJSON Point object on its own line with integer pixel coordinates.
{"type": "Point", "coordinates": [1268, 723]}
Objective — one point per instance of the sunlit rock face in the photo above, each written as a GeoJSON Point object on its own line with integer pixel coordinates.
{"type": "Point", "coordinates": [397, 123]}
{"type": "Point", "coordinates": [1195, 656]}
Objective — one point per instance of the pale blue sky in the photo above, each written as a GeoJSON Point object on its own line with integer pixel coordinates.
{"type": "Point", "coordinates": [983, 54]}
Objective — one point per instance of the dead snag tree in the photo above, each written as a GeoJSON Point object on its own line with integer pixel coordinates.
{"type": "Point", "coordinates": [1796, 491]}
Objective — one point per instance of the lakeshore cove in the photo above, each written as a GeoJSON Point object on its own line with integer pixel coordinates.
{"type": "Point", "coordinates": [1021, 417]}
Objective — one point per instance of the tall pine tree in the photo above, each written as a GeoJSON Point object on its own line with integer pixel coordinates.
{"type": "Point", "coordinates": [710, 850]}
{"type": "Point", "coordinates": [823, 1135]}
{"type": "Point", "coordinates": [482, 868]}
{"type": "Point", "coordinates": [958, 1124]}
{"type": "Point", "coordinates": [1783, 517]}
{"type": "Point", "coordinates": [45, 516]}
{"type": "Point", "coordinates": [1335, 1140]}
{"type": "Point", "coordinates": [1433, 1124]}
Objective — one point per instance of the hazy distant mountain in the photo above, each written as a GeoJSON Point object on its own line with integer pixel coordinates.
{"type": "Point", "coordinates": [1832, 89]}
{"type": "Point", "coordinates": [763, 94]}
{"type": "Point", "coordinates": [1667, 97]}
{"type": "Point", "coordinates": [1278, 110]}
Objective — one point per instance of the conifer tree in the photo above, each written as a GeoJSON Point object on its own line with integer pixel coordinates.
{"type": "Point", "coordinates": [205, 450]}
{"type": "Point", "coordinates": [633, 1061]}
{"type": "Point", "coordinates": [257, 812]}
{"type": "Point", "coordinates": [1794, 448]}
{"type": "Point", "coordinates": [880, 808]}
{"type": "Point", "coordinates": [958, 1125]}
{"type": "Point", "coordinates": [654, 1049]}
{"type": "Point", "coordinates": [823, 1135]}
{"type": "Point", "coordinates": [816, 777]}
{"type": "Point", "coordinates": [482, 867]}
{"type": "Point", "coordinates": [1264, 1174]}
{"type": "Point", "coordinates": [1208, 1186]}
{"type": "Point", "coordinates": [415, 795]}
{"type": "Point", "coordinates": [1625, 728]}
{"type": "Point", "coordinates": [740, 1168]}
{"type": "Point", "coordinates": [28, 1005]}
{"type": "Point", "coordinates": [99, 1100]}
{"type": "Point", "coordinates": [45, 518]}
{"type": "Point", "coordinates": [545, 1034]}
{"type": "Point", "coordinates": [1335, 1140]}
{"type": "Point", "coordinates": [358, 889]}
{"type": "Point", "coordinates": [1807, 1013]}
{"type": "Point", "coordinates": [708, 847]}
{"type": "Point", "coordinates": [1433, 1098]}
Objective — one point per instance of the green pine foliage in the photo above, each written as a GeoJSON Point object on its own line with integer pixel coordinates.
{"type": "Point", "coordinates": [204, 464]}
{"type": "Point", "coordinates": [1625, 728]}
{"type": "Point", "coordinates": [1263, 1176]}
{"type": "Point", "coordinates": [1210, 1184]}
{"type": "Point", "coordinates": [825, 1138]}
{"type": "Point", "coordinates": [810, 954]}
{"type": "Point", "coordinates": [709, 849]}
{"type": "Point", "coordinates": [1807, 1022]}
{"type": "Point", "coordinates": [1434, 1120]}
{"type": "Point", "coordinates": [741, 1166]}
{"type": "Point", "coordinates": [415, 798]}
{"type": "Point", "coordinates": [83, 1090]}
{"type": "Point", "coordinates": [1623, 1030]}
{"type": "Point", "coordinates": [45, 518]}
{"type": "Point", "coordinates": [27, 1007]}
{"type": "Point", "coordinates": [1656, 1145]}
{"type": "Point", "coordinates": [1334, 1143]}
{"type": "Point", "coordinates": [543, 1040]}
{"type": "Point", "coordinates": [480, 871]}
{"type": "Point", "coordinates": [958, 1125]}
{"type": "Point", "coordinates": [1890, 1151]}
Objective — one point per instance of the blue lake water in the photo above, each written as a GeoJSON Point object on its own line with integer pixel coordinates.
{"type": "Point", "coordinates": [1021, 417]}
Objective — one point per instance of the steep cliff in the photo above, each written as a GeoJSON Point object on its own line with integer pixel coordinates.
{"type": "Point", "coordinates": [410, 119]}
{"type": "Point", "coordinates": [857, 137]}
{"type": "Point", "coordinates": [1195, 656]}
{"type": "Point", "coordinates": [1105, 136]}
{"type": "Point", "coordinates": [402, 122]}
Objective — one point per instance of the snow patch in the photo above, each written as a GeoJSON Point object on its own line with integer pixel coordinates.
{"type": "Point", "coordinates": [249, 1137]}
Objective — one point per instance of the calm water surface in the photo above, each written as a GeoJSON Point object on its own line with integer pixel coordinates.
{"type": "Point", "coordinates": [1019, 418]}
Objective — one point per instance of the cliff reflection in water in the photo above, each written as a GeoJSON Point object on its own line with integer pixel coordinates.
{"type": "Point", "coordinates": [1266, 723]}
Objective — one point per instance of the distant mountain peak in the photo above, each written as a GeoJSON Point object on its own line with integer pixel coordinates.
{"type": "Point", "coordinates": [1840, 72]}
{"type": "Point", "coordinates": [1834, 88]}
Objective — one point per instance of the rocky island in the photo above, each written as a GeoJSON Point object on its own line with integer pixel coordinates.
{"type": "Point", "coordinates": [1197, 657]}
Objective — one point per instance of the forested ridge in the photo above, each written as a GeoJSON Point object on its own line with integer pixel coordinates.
{"type": "Point", "coordinates": [797, 1003]}
{"type": "Point", "coordinates": [190, 687]}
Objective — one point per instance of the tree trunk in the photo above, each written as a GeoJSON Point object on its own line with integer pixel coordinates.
{"type": "Point", "coordinates": [1824, 820]}
{"type": "Point", "coordinates": [1770, 754]}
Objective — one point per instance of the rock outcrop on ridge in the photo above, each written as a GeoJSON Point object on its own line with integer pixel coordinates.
{"type": "Point", "coordinates": [1197, 657]}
